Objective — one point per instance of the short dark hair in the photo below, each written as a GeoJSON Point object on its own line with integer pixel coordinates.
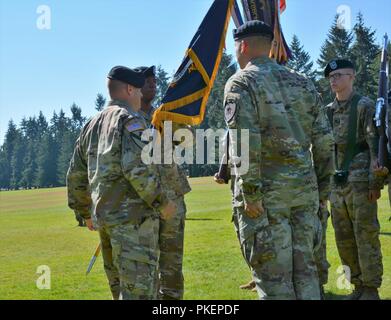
{"type": "Point", "coordinates": [115, 86]}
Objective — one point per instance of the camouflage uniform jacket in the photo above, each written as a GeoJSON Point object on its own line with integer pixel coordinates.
{"type": "Point", "coordinates": [106, 178]}
{"type": "Point", "coordinates": [283, 113]}
{"type": "Point", "coordinates": [360, 169]}
{"type": "Point", "coordinates": [173, 176]}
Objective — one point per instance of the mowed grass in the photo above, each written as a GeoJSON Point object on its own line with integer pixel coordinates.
{"type": "Point", "coordinates": [37, 228]}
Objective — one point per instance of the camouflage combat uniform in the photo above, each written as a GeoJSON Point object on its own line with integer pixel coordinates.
{"type": "Point", "coordinates": [108, 182]}
{"type": "Point", "coordinates": [174, 180]}
{"type": "Point", "coordinates": [282, 111]}
{"type": "Point", "coordinates": [321, 254]}
{"type": "Point", "coordinates": [354, 218]}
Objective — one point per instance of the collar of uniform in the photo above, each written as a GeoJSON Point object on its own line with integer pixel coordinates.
{"type": "Point", "coordinates": [150, 111]}
{"type": "Point", "coordinates": [343, 104]}
{"type": "Point", "coordinates": [121, 103]}
{"type": "Point", "coordinates": [262, 60]}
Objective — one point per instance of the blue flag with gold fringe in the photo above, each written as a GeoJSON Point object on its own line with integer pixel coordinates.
{"type": "Point", "coordinates": [186, 98]}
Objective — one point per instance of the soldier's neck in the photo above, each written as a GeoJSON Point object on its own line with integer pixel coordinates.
{"type": "Point", "coordinates": [344, 95]}
{"type": "Point", "coordinates": [146, 106]}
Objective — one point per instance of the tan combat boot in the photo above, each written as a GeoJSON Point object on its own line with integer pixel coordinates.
{"type": "Point", "coordinates": [248, 286]}
{"type": "Point", "coordinates": [370, 294]}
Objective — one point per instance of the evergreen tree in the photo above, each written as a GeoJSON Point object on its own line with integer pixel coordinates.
{"type": "Point", "coordinates": [77, 120]}
{"type": "Point", "coordinates": [4, 183]}
{"type": "Point", "coordinates": [30, 132]}
{"type": "Point", "coordinates": [68, 138]}
{"type": "Point", "coordinates": [8, 149]}
{"type": "Point", "coordinates": [337, 46]}
{"type": "Point", "coordinates": [162, 83]}
{"type": "Point", "coordinates": [364, 53]}
{"type": "Point", "coordinates": [17, 161]}
{"type": "Point", "coordinates": [42, 126]}
{"type": "Point", "coordinates": [64, 157]}
{"type": "Point", "coordinates": [301, 60]}
{"type": "Point", "coordinates": [214, 117]}
{"type": "Point", "coordinates": [29, 165]}
{"type": "Point", "coordinates": [100, 102]}
{"type": "Point", "coordinates": [47, 162]}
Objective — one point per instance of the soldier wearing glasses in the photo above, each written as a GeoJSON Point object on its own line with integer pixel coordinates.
{"type": "Point", "coordinates": [355, 188]}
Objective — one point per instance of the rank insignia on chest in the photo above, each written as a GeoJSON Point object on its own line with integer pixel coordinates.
{"type": "Point", "coordinates": [230, 111]}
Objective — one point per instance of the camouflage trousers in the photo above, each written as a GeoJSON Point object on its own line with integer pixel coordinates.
{"type": "Point", "coordinates": [280, 251]}
{"type": "Point", "coordinates": [357, 233]}
{"type": "Point", "coordinates": [130, 257]}
{"type": "Point", "coordinates": [171, 282]}
{"type": "Point", "coordinates": [321, 254]}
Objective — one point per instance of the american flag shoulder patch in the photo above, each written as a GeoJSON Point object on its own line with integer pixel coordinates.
{"type": "Point", "coordinates": [134, 125]}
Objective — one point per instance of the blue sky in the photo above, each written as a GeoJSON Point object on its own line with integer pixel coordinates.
{"type": "Point", "coordinates": [50, 69]}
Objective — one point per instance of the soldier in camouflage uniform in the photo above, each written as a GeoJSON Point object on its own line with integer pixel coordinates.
{"type": "Point", "coordinates": [110, 187]}
{"type": "Point", "coordinates": [354, 200]}
{"type": "Point", "coordinates": [171, 282]}
{"type": "Point", "coordinates": [276, 202]}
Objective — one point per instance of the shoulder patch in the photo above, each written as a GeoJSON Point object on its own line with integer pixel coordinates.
{"type": "Point", "coordinates": [134, 125]}
{"type": "Point", "coordinates": [230, 111]}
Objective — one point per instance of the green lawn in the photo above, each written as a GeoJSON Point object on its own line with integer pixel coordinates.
{"type": "Point", "coordinates": [37, 228]}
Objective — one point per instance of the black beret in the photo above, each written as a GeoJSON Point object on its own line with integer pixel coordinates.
{"type": "Point", "coordinates": [133, 77]}
{"type": "Point", "coordinates": [338, 64]}
{"type": "Point", "coordinates": [148, 71]}
{"type": "Point", "coordinates": [253, 28]}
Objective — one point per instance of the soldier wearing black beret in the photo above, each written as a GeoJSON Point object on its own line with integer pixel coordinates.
{"type": "Point", "coordinates": [253, 28]}
{"type": "Point", "coordinates": [171, 232]}
{"type": "Point", "coordinates": [149, 92]}
{"type": "Point", "coordinates": [269, 198]}
{"type": "Point", "coordinates": [338, 64]}
{"type": "Point", "coordinates": [252, 38]}
{"type": "Point", "coordinates": [117, 193]}
{"type": "Point", "coordinates": [355, 188]}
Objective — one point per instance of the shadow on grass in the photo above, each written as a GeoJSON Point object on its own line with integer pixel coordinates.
{"type": "Point", "coordinates": [333, 296]}
{"type": "Point", "coordinates": [385, 233]}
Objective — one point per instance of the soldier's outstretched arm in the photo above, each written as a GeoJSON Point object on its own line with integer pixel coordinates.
{"type": "Point", "coordinates": [79, 196]}
{"type": "Point", "coordinates": [322, 149]}
{"type": "Point", "coordinates": [241, 113]}
{"type": "Point", "coordinates": [144, 178]}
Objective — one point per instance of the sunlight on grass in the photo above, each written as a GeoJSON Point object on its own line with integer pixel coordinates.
{"type": "Point", "coordinates": [37, 228]}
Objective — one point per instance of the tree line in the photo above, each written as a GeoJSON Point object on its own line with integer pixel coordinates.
{"type": "Point", "coordinates": [36, 153]}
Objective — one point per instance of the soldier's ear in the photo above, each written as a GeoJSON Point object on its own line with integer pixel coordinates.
{"type": "Point", "coordinates": [130, 89]}
{"type": "Point", "coordinates": [243, 47]}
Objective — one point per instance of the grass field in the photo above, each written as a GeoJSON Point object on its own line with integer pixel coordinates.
{"type": "Point", "coordinates": [37, 228]}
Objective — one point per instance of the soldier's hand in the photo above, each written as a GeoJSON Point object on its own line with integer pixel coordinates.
{"type": "Point", "coordinates": [374, 195]}
{"type": "Point", "coordinates": [89, 225]}
{"type": "Point", "coordinates": [168, 211]}
{"type": "Point", "coordinates": [218, 179]}
{"type": "Point", "coordinates": [254, 210]}
{"type": "Point", "coordinates": [323, 204]}
{"type": "Point", "coordinates": [378, 170]}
